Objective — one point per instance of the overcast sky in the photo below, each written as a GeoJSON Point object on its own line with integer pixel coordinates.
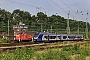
{"type": "Point", "coordinates": [78, 8]}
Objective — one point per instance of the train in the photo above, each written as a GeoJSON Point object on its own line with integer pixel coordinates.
{"type": "Point", "coordinates": [49, 37]}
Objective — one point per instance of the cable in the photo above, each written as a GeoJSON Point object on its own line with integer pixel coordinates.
{"type": "Point", "coordinates": [78, 2]}
{"type": "Point", "coordinates": [67, 6]}
{"type": "Point", "coordinates": [58, 6]}
{"type": "Point", "coordinates": [72, 9]}
{"type": "Point", "coordinates": [21, 3]}
{"type": "Point", "coordinates": [63, 9]}
{"type": "Point", "coordinates": [30, 5]}
{"type": "Point", "coordinates": [37, 8]}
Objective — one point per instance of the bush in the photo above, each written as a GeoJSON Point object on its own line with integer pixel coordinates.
{"type": "Point", "coordinates": [4, 40]}
{"type": "Point", "coordinates": [8, 56]}
{"type": "Point", "coordinates": [24, 54]}
{"type": "Point", "coordinates": [80, 57]}
{"type": "Point", "coordinates": [50, 55]}
{"type": "Point", "coordinates": [72, 50]}
{"type": "Point", "coordinates": [54, 55]}
{"type": "Point", "coordinates": [64, 55]}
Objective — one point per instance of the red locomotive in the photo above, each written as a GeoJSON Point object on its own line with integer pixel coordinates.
{"type": "Point", "coordinates": [23, 37]}
{"type": "Point", "coordinates": [20, 33]}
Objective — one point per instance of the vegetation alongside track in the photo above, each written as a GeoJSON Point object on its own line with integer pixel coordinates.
{"type": "Point", "coordinates": [67, 53]}
{"type": "Point", "coordinates": [4, 40]}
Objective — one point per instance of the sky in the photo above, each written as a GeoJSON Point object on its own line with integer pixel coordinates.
{"type": "Point", "coordinates": [77, 9]}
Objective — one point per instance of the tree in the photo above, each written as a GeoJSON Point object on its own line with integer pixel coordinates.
{"type": "Point", "coordinates": [41, 17]}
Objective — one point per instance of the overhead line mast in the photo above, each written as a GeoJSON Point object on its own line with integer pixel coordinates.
{"type": "Point", "coordinates": [68, 28]}
{"type": "Point", "coordinates": [86, 26]}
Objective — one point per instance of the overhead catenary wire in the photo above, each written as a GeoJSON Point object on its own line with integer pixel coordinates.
{"type": "Point", "coordinates": [67, 5]}
{"type": "Point", "coordinates": [59, 6]}
{"type": "Point", "coordinates": [62, 8]}
{"type": "Point", "coordinates": [21, 3]}
{"type": "Point", "coordinates": [38, 8]}
{"type": "Point", "coordinates": [78, 3]}
{"type": "Point", "coordinates": [76, 12]}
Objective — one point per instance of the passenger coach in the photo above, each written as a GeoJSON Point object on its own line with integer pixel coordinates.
{"type": "Point", "coordinates": [51, 37]}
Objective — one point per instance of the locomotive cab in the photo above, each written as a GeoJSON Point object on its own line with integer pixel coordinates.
{"type": "Point", "coordinates": [35, 36]}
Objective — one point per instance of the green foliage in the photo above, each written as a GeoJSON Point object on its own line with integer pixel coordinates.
{"type": "Point", "coordinates": [53, 55]}
{"type": "Point", "coordinates": [25, 54]}
{"type": "Point", "coordinates": [80, 57]}
{"type": "Point", "coordinates": [82, 52]}
{"type": "Point", "coordinates": [64, 56]}
{"type": "Point", "coordinates": [85, 50]}
{"type": "Point", "coordinates": [18, 54]}
{"type": "Point", "coordinates": [50, 55]}
{"type": "Point", "coordinates": [8, 56]}
{"type": "Point", "coordinates": [4, 40]}
{"type": "Point", "coordinates": [72, 50]}
{"type": "Point", "coordinates": [1, 56]}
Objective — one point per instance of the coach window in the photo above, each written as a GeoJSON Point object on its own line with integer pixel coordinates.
{"type": "Point", "coordinates": [78, 36]}
{"type": "Point", "coordinates": [59, 37]}
{"type": "Point", "coordinates": [52, 37]}
{"type": "Point", "coordinates": [64, 37]}
{"type": "Point", "coordinates": [70, 37]}
{"type": "Point", "coordinates": [46, 37]}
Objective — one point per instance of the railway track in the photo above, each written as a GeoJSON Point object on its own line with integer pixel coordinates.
{"type": "Point", "coordinates": [40, 46]}
{"type": "Point", "coordinates": [14, 44]}
{"type": "Point", "coordinates": [62, 45]}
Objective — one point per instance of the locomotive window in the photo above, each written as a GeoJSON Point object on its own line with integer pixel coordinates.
{"type": "Point", "coordinates": [36, 34]}
{"type": "Point", "coordinates": [21, 27]}
{"type": "Point", "coordinates": [25, 27]}
{"type": "Point", "coordinates": [64, 37]}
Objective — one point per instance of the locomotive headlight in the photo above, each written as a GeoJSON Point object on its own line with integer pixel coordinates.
{"type": "Point", "coordinates": [14, 38]}
{"type": "Point", "coordinates": [18, 30]}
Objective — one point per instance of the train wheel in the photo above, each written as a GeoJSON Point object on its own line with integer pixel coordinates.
{"type": "Point", "coordinates": [11, 41]}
